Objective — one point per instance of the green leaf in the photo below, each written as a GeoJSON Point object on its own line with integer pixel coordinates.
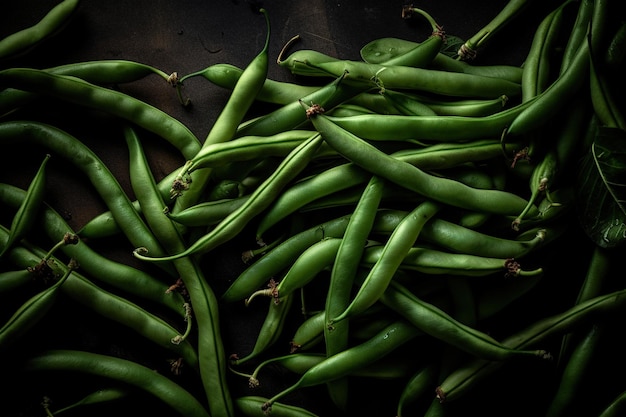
{"type": "Point", "coordinates": [601, 196]}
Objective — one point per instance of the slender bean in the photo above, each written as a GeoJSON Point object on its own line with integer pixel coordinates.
{"type": "Point", "coordinates": [345, 362]}
{"type": "Point", "coordinates": [281, 257]}
{"type": "Point", "coordinates": [391, 255]}
{"type": "Point", "coordinates": [309, 333]}
{"type": "Point", "coordinates": [315, 64]}
{"type": "Point", "coordinates": [258, 201]}
{"type": "Point", "coordinates": [250, 406]}
{"type": "Point", "coordinates": [207, 213]}
{"type": "Point", "coordinates": [437, 323]}
{"type": "Point", "coordinates": [275, 92]}
{"type": "Point", "coordinates": [382, 49]}
{"type": "Point", "coordinates": [270, 331]}
{"type": "Point", "coordinates": [10, 280]}
{"type": "Point", "coordinates": [70, 148]}
{"type": "Point", "coordinates": [78, 91]}
{"type": "Point", "coordinates": [211, 356]}
{"type": "Point", "coordinates": [402, 173]}
{"type": "Point", "coordinates": [112, 368]}
{"type": "Point", "coordinates": [507, 14]}
{"type": "Point", "coordinates": [31, 312]}
{"type": "Point", "coordinates": [117, 274]}
{"type": "Point", "coordinates": [28, 210]}
{"type": "Point", "coordinates": [310, 263]}
{"type": "Point", "coordinates": [22, 41]}
{"type": "Point", "coordinates": [290, 116]}
{"type": "Point", "coordinates": [101, 72]}
{"type": "Point", "coordinates": [555, 97]}
{"type": "Point", "coordinates": [101, 396]}
{"type": "Point", "coordinates": [459, 381]}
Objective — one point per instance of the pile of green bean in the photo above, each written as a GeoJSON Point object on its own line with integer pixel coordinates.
{"type": "Point", "coordinates": [406, 223]}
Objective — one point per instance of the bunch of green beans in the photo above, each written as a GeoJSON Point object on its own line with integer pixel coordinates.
{"type": "Point", "coordinates": [403, 227]}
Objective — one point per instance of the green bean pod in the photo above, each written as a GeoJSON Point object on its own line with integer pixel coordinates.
{"type": "Point", "coordinates": [28, 210]}
{"type": "Point", "coordinates": [343, 274]}
{"type": "Point", "coordinates": [439, 189]}
{"type": "Point", "coordinates": [507, 14]}
{"type": "Point", "coordinates": [466, 107]}
{"type": "Point", "coordinates": [437, 262]}
{"type": "Point", "coordinates": [55, 19]}
{"type": "Point", "coordinates": [30, 313]}
{"type": "Point", "coordinates": [437, 323]}
{"type": "Point", "coordinates": [211, 355]}
{"type": "Point", "coordinates": [345, 362]}
{"type": "Point", "coordinates": [270, 331]}
{"type": "Point", "coordinates": [101, 396]}
{"type": "Point", "coordinates": [83, 93]}
{"type": "Point", "coordinates": [382, 49]}
{"type": "Point", "coordinates": [207, 213]}
{"type": "Point", "coordinates": [117, 274]}
{"type": "Point", "coordinates": [101, 72]}
{"type": "Point", "coordinates": [290, 115]}
{"type": "Point", "coordinates": [250, 406]}
{"type": "Point", "coordinates": [391, 255]}
{"type": "Point", "coordinates": [258, 201]}
{"type": "Point", "coordinates": [309, 333]}
{"type": "Point", "coordinates": [113, 368]}
{"type": "Point", "coordinates": [406, 104]}
{"type": "Point", "coordinates": [281, 257]}
{"type": "Point", "coordinates": [10, 280]}
{"type": "Point", "coordinates": [275, 92]}
{"type": "Point", "coordinates": [248, 148]}
{"type": "Point", "coordinates": [556, 96]}
{"type": "Point", "coordinates": [309, 264]}
{"type": "Point", "coordinates": [459, 381]}
{"type": "Point", "coordinates": [454, 84]}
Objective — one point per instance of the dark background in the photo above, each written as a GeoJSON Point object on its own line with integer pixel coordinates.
{"type": "Point", "coordinates": [186, 36]}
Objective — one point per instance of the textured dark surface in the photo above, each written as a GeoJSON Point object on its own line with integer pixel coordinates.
{"type": "Point", "coordinates": [186, 36]}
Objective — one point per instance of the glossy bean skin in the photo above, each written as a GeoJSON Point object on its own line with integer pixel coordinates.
{"type": "Point", "coordinates": [117, 274]}
{"type": "Point", "coordinates": [290, 115]}
{"type": "Point", "coordinates": [392, 253]}
{"type": "Point", "coordinates": [173, 395]}
{"type": "Point", "coordinates": [343, 274]}
{"type": "Point", "coordinates": [28, 210]}
{"type": "Point", "coordinates": [276, 92]}
{"type": "Point", "coordinates": [211, 354]}
{"type": "Point", "coordinates": [454, 84]}
{"type": "Point", "coordinates": [10, 280]}
{"type": "Point", "coordinates": [438, 262]}
{"type": "Point", "coordinates": [386, 48]}
{"type": "Point", "coordinates": [343, 363]}
{"type": "Point", "coordinates": [113, 307]}
{"type": "Point", "coordinates": [270, 330]}
{"type": "Point", "coordinates": [258, 201]}
{"type": "Point", "coordinates": [207, 213]}
{"type": "Point", "coordinates": [54, 20]}
{"type": "Point", "coordinates": [250, 406]}
{"type": "Point", "coordinates": [309, 333]}
{"type": "Point", "coordinates": [81, 92]}
{"type": "Point", "coordinates": [306, 267]}
{"type": "Point", "coordinates": [69, 147]}
{"type": "Point", "coordinates": [101, 72]}
{"type": "Point", "coordinates": [439, 189]}
{"type": "Point", "coordinates": [437, 323]}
